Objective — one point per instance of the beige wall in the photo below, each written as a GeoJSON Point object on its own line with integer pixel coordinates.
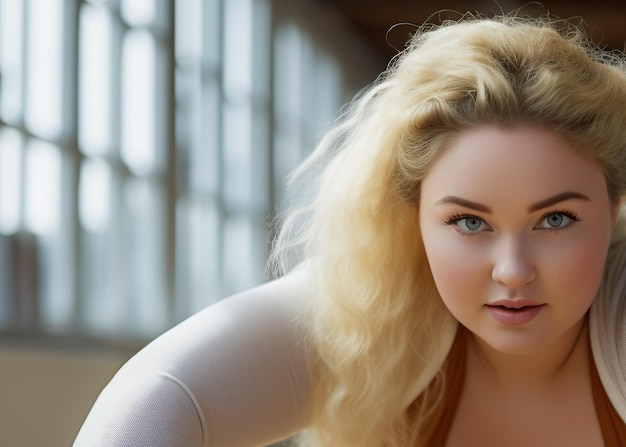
{"type": "Point", "coordinates": [46, 392]}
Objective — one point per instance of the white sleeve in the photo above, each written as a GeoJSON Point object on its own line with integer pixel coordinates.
{"type": "Point", "coordinates": [234, 374]}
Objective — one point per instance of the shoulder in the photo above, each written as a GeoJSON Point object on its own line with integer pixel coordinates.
{"type": "Point", "coordinates": [239, 367]}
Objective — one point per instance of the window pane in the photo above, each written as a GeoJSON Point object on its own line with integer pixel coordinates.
{"type": "Point", "coordinates": [43, 187]}
{"type": "Point", "coordinates": [95, 196]}
{"type": "Point", "coordinates": [198, 109]}
{"type": "Point", "coordinates": [188, 119]}
{"type": "Point", "coordinates": [245, 253]}
{"type": "Point", "coordinates": [94, 131]}
{"type": "Point", "coordinates": [290, 46]}
{"type": "Point", "coordinates": [189, 30]}
{"type": "Point", "coordinates": [261, 44]}
{"type": "Point", "coordinates": [237, 156]}
{"type": "Point", "coordinates": [103, 266]}
{"type": "Point", "coordinates": [294, 49]}
{"type": "Point", "coordinates": [145, 253]}
{"type": "Point", "coordinates": [56, 279]}
{"type": "Point", "coordinates": [103, 295]}
{"type": "Point", "coordinates": [45, 170]}
{"type": "Point", "coordinates": [199, 264]}
{"type": "Point", "coordinates": [138, 101]}
{"type": "Point", "coordinates": [287, 150]}
{"type": "Point", "coordinates": [325, 96]}
{"type": "Point", "coordinates": [245, 158]}
{"type": "Point", "coordinates": [198, 37]}
{"type": "Point", "coordinates": [44, 77]}
{"type": "Point", "coordinates": [138, 12]}
{"type": "Point", "coordinates": [238, 48]}
{"type": "Point", "coordinates": [183, 275]}
{"type": "Point", "coordinates": [205, 160]}
{"type": "Point", "coordinates": [10, 179]}
{"type": "Point", "coordinates": [11, 51]}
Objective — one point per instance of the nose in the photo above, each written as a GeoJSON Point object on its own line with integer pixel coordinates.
{"type": "Point", "coordinates": [512, 265]}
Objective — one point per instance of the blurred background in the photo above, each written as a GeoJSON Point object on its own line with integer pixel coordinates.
{"type": "Point", "coordinates": [143, 150]}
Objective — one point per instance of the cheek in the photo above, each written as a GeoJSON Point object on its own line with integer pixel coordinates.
{"type": "Point", "coordinates": [458, 269]}
{"type": "Point", "coordinates": [578, 272]}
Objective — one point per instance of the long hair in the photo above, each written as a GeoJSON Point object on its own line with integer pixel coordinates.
{"type": "Point", "coordinates": [379, 333]}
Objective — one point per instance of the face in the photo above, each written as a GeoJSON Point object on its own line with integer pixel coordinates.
{"type": "Point", "coordinates": [516, 227]}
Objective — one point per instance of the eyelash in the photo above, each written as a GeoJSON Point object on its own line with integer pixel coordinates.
{"type": "Point", "coordinates": [455, 218]}
{"type": "Point", "coordinates": [564, 212]}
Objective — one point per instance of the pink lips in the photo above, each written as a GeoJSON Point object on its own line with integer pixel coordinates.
{"type": "Point", "coordinates": [514, 312]}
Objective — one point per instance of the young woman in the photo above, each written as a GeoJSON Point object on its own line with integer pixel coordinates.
{"type": "Point", "coordinates": [464, 282]}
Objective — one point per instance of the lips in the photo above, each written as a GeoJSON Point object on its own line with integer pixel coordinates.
{"type": "Point", "coordinates": [514, 304]}
{"type": "Point", "coordinates": [514, 312]}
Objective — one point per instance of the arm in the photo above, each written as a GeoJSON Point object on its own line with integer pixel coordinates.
{"type": "Point", "coordinates": [234, 374]}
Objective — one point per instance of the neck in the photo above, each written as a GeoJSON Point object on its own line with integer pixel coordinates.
{"type": "Point", "coordinates": [542, 368]}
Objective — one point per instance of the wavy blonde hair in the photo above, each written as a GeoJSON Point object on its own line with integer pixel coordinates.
{"type": "Point", "coordinates": [379, 333]}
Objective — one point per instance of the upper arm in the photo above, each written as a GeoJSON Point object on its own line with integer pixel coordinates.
{"type": "Point", "coordinates": [143, 410]}
{"type": "Point", "coordinates": [235, 374]}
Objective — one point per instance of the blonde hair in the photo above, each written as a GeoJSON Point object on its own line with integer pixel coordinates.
{"type": "Point", "coordinates": [379, 333]}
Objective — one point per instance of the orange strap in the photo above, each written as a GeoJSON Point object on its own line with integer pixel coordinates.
{"type": "Point", "coordinates": [436, 431]}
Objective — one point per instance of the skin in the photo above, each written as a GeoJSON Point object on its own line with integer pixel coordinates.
{"type": "Point", "coordinates": [516, 215]}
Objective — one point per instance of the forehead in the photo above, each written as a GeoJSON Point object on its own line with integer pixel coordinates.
{"type": "Point", "coordinates": [520, 162]}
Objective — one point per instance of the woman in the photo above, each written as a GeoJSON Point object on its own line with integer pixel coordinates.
{"type": "Point", "coordinates": [465, 273]}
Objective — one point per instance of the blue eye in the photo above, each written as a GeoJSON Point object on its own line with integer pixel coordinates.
{"type": "Point", "coordinates": [471, 223]}
{"type": "Point", "coordinates": [558, 220]}
{"type": "Point", "coordinates": [467, 224]}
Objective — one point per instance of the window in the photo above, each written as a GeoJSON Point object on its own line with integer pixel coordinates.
{"type": "Point", "coordinates": [143, 145]}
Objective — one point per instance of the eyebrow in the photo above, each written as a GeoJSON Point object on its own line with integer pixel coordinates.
{"type": "Point", "coordinates": [568, 195]}
{"type": "Point", "coordinates": [464, 203]}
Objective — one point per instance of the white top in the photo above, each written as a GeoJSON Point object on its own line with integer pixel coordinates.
{"type": "Point", "coordinates": [236, 374]}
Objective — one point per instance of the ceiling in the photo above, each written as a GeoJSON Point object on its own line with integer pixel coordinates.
{"type": "Point", "coordinates": [386, 25]}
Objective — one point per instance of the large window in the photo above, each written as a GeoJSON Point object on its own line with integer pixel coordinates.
{"type": "Point", "coordinates": [143, 144]}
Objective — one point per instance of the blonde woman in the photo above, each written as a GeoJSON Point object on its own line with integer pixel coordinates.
{"type": "Point", "coordinates": [463, 281]}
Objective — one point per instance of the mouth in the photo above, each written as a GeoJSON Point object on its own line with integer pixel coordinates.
{"type": "Point", "coordinates": [514, 314]}
{"type": "Point", "coordinates": [513, 304]}
{"type": "Point", "coordinates": [513, 308]}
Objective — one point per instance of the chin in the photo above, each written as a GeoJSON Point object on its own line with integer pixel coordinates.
{"type": "Point", "coordinates": [518, 342]}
